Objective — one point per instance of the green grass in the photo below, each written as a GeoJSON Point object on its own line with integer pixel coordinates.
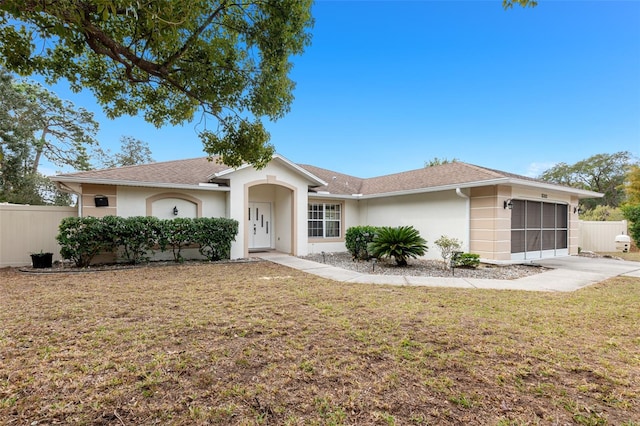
{"type": "Point", "coordinates": [259, 343]}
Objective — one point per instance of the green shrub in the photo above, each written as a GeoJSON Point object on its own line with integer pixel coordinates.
{"type": "Point", "coordinates": [632, 214]}
{"type": "Point", "coordinates": [176, 234]}
{"type": "Point", "coordinates": [214, 236]}
{"type": "Point", "coordinates": [400, 243]}
{"type": "Point", "coordinates": [447, 246]}
{"type": "Point", "coordinates": [82, 238]}
{"type": "Point", "coordinates": [467, 260]}
{"type": "Point", "coordinates": [135, 236]}
{"type": "Point", "coordinates": [357, 239]}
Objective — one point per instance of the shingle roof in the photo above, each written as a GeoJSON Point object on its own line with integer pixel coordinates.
{"type": "Point", "coordinates": [428, 177]}
{"type": "Point", "coordinates": [197, 170]}
{"type": "Point", "coordinates": [186, 172]}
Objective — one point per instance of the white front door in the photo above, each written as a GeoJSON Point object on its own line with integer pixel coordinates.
{"type": "Point", "coordinates": [260, 226]}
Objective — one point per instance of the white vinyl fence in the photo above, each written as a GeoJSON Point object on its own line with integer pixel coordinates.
{"type": "Point", "coordinates": [600, 236]}
{"type": "Point", "coordinates": [29, 229]}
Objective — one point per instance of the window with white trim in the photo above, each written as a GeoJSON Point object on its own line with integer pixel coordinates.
{"type": "Point", "coordinates": [324, 220]}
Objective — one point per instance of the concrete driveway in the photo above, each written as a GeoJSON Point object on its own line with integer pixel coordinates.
{"type": "Point", "coordinates": [573, 272]}
{"type": "Point", "coordinates": [597, 265]}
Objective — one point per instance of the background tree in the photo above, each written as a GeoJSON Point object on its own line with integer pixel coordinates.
{"type": "Point", "coordinates": [603, 173]}
{"type": "Point", "coordinates": [63, 132]}
{"type": "Point", "coordinates": [36, 124]}
{"type": "Point", "coordinates": [632, 185]}
{"type": "Point", "coordinates": [603, 213]}
{"type": "Point", "coordinates": [132, 152]}
{"type": "Point", "coordinates": [169, 60]}
{"type": "Point", "coordinates": [508, 4]}
{"type": "Point", "coordinates": [438, 161]}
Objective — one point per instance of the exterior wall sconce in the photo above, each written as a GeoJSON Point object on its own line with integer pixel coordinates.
{"type": "Point", "coordinates": [577, 209]}
{"type": "Point", "coordinates": [175, 210]}
{"type": "Point", "coordinates": [508, 204]}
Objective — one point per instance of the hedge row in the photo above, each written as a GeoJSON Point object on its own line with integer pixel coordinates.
{"type": "Point", "coordinates": [82, 238]}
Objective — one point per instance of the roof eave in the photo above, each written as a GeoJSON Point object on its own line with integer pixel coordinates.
{"type": "Point", "coordinates": [168, 185]}
{"type": "Point", "coordinates": [581, 193]}
{"type": "Point", "coordinates": [448, 187]}
{"type": "Point", "coordinates": [335, 196]}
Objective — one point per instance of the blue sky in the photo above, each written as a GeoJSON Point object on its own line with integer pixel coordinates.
{"type": "Point", "coordinates": [388, 85]}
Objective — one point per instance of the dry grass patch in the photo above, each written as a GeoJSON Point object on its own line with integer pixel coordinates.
{"type": "Point", "coordinates": [259, 343]}
{"type": "Point", "coordinates": [633, 256]}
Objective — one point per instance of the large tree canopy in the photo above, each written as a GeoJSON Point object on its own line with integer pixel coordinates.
{"type": "Point", "coordinates": [168, 60]}
{"type": "Point", "coordinates": [603, 173]}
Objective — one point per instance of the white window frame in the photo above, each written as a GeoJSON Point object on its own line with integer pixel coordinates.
{"type": "Point", "coordinates": [337, 216]}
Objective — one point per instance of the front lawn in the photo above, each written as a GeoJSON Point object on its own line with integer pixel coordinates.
{"type": "Point", "coordinates": [259, 343]}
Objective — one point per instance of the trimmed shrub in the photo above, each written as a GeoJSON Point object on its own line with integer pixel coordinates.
{"type": "Point", "coordinates": [135, 236]}
{"type": "Point", "coordinates": [400, 243]}
{"type": "Point", "coordinates": [467, 260]}
{"type": "Point", "coordinates": [357, 239]}
{"type": "Point", "coordinates": [176, 234]}
{"type": "Point", "coordinates": [82, 238]}
{"type": "Point", "coordinates": [214, 236]}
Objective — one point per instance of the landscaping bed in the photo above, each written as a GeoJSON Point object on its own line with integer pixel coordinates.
{"type": "Point", "coordinates": [425, 268]}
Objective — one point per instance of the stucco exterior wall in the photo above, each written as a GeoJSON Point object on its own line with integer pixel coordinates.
{"type": "Point", "coordinates": [490, 223]}
{"type": "Point", "coordinates": [87, 200]}
{"type": "Point", "coordinates": [432, 214]}
{"type": "Point", "coordinates": [283, 219]}
{"type": "Point", "coordinates": [132, 201]}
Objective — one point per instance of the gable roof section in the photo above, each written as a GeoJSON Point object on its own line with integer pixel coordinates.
{"type": "Point", "coordinates": [314, 179]}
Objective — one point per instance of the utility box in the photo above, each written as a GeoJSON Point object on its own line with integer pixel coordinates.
{"type": "Point", "coordinates": [623, 242]}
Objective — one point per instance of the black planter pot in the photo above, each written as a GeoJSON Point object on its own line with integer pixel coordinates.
{"type": "Point", "coordinates": [42, 260]}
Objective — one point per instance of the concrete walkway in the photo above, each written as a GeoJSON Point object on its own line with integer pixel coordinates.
{"type": "Point", "coordinates": [570, 273]}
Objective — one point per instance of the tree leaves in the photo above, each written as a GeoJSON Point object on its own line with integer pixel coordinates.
{"type": "Point", "coordinates": [167, 60]}
{"type": "Point", "coordinates": [600, 173]}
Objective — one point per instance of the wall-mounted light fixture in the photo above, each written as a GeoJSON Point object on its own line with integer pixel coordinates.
{"type": "Point", "coordinates": [508, 204]}
{"type": "Point", "coordinates": [175, 210]}
{"type": "Point", "coordinates": [577, 209]}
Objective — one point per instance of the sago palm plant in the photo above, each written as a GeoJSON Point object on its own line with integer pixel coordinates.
{"type": "Point", "coordinates": [401, 243]}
